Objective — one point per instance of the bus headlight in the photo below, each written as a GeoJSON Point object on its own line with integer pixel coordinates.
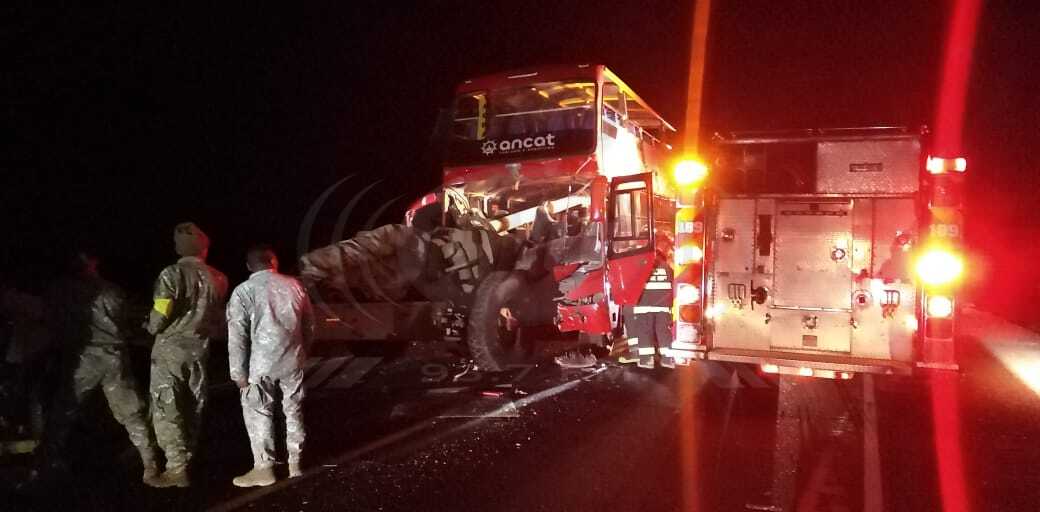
{"type": "Point", "coordinates": [938, 267]}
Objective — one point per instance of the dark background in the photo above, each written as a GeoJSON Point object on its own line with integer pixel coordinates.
{"type": "Point", "coordinates": [125, 121]}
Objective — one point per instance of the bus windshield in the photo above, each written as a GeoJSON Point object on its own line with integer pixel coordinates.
{"type": "Point", "coordinates": [541, 120]}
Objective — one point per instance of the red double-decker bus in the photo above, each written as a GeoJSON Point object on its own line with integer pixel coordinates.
{"type": "Point", "coordinates": [557, 209]}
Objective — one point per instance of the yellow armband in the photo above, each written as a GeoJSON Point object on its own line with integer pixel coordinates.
{"type": "Point", "coordinates": [163, 306]}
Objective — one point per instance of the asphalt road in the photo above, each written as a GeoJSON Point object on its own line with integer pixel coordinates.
{"type": "Point", "coordinates": [397, 431]}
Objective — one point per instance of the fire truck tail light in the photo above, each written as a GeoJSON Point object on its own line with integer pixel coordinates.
{"type": "Point", "coordinates": [687, 294]}
{"type": "Point", "coordinates": [686, 336]}
{"type": "Point", "coordinates": [938, 267]}
{"type": "Point", "coordinates": [937, 165]}
{"type": "Point", "coordinates": [690, 313]}
{"type": "Point", "coordinates": [940, 306]}
{"type": "Point", "coordinates": [689, 254]}
{"type": "Point", "coordinates": [910, 322]}
{"type": "Point", "coordinates": [770, 368]}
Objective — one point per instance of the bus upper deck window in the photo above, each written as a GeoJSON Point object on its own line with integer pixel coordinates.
{"type": "Point", "coordinates": [470, 116]}
{"type": "Point", "coordinates": [614, 98]}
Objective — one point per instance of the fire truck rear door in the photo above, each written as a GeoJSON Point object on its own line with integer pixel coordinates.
{"type": "Point", "coordinates": [812, 302]}
{"type": "Point", "coordinates": [630, 256]}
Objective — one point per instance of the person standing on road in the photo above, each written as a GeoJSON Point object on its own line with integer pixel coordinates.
{"type": "Point", "coordinates": [648, 324]}
{"type": "Point", "coordinates": [270, 327]}
{"type": "Point", "coordinates": [91, 320]}
{"type": "Point", "coordinates": [187, 312]}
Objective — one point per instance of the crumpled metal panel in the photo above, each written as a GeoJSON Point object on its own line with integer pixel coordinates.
{"type": "Point", "coordinates": [868, 166]}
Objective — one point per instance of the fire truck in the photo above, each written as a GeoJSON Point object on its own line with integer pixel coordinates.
{"type": "Point", "coordinates": [821, 253]}
{"type": "Point", "coordinates": [555, 206]}
{"type": "Point", "coordinates": [818, 253]}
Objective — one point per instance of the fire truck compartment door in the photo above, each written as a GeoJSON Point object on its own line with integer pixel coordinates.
{"type": "Point", "coordinates": [630, 233]}
{"type": "Point", "coordinates": [812, 300]}
{"type": "Point", "coordinates": [812, 276]}
{"type": "Point", "coordinates": [812, 255]}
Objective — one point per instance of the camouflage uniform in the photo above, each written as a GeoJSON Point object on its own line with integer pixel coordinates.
{"type": "Point", "coordinates": [91, 315]}
{"type": "Point", "coordinates": [270, 325]}
{"type": "Point", "coordinates": [188, 311]}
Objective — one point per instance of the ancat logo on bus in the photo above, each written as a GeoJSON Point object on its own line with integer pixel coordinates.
{"type": "Point", "coordinates": [505, 147]}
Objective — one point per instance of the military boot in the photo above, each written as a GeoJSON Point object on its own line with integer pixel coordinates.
{"type": "Point", "coordinates": [151, 475]}
{"type": "Point", "coordinates": [295, 470]}
{"type": "Point", "coordinates": [149, 456]}
{"type": "Point", "coordinates": [174, 477]}
{"type": "Point", "coordinates": [259, 476]}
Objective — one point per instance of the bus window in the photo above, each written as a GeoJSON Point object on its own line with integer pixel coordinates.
{"type": "Point", "coordinates": [614, 99]}
{"type": "Point", "coordinates": [619, 139]}
{"type": "Point", "coordinates": [631, 226]}
{"type": "Point", "coordinates": [470, 116]}
{"type": "Point", "coordinates": [541, 120]}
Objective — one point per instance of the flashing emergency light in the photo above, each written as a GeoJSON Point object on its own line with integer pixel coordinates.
{"type": "Point", "coordinates": [688, 254]}
{"type": "Point", "coordinates": [687, 294]}
{"type": "Point", "coordinates": [940, 306]}
{"type": "Point", "coordinates": [938, 165]}
{"type": "Point", "coordinates": [939, 267]}
{"type": "Point", "coordinates": [689, 172]}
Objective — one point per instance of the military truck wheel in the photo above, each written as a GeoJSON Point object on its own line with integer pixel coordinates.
{"type": "Point", "coordinates": [493, 334]}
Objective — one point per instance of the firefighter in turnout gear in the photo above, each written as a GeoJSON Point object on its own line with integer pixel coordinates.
{"type": "Point", "coordinates": [188, 310]}
{"type": "Point", "coordinates": [648, 325]}
{"type": "Point", "coordinates": [90, 314]}
{"type": "Point", "coordinates": [270, 325]}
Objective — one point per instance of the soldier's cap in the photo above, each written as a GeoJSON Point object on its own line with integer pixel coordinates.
{"type": "Point", "coordinates": [190, 240]}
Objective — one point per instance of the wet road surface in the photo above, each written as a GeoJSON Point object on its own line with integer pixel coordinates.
{"type": "Point", "coordinates": [403, 431]}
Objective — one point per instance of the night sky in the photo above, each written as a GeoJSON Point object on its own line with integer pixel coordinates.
{"type": "Point", "coordinates": [126, 121]}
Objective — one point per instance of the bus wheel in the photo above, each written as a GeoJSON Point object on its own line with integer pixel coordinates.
{"type": "Point", "coordinates": [494, 335]}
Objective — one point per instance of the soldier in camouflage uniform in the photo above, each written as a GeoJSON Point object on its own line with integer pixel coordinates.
{"type": "Point", "coordinates": [270, 325]}
{"type": "Point", "coordinates": [187, 312]}
{"type": "Point", "coordinates": [90, 313]}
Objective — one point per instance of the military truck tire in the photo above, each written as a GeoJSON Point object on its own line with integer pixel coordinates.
{"type": "Point", "coordinates": [492, 346]}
